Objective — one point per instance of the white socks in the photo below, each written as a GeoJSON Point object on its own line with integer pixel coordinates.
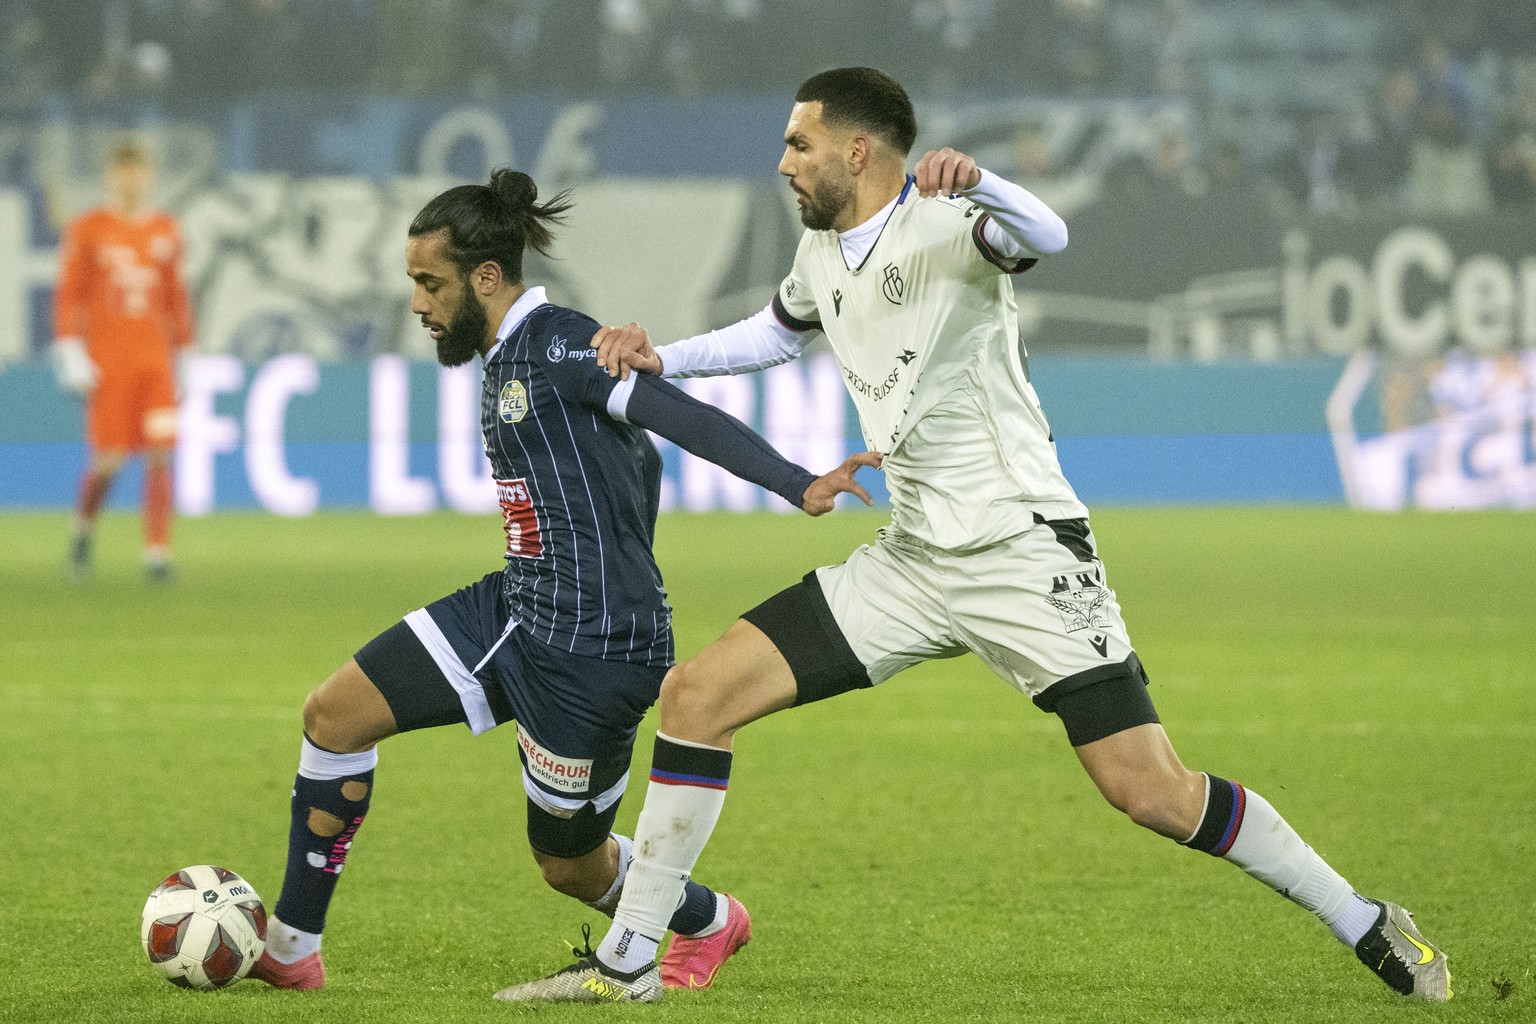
{"type": "Point", "coordinates": [722, 913]}
{"type": "Point", "coordinates": [608, 901]}
{"type": "Point", "coordinates": [682, 805]}
{"type": "Point", "coordinates": [289, 945]}
{"type": "Point", "coordinates": [1250, 833]}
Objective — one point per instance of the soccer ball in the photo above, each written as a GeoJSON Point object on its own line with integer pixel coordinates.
{"type": "Point", "coordinates": [204, 927]}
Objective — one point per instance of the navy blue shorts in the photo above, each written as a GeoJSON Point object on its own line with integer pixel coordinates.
{"type": "Point", "coordinates": [461, 660]}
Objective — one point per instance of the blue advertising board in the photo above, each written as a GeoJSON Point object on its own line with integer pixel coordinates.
{"type": "Point", "coordinates": [292, 435]}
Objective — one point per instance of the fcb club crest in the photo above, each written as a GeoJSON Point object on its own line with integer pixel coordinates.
{"type": "Point", "coordinates": [892, 284]}
{"type": "Point", "coordinates": [514, 402]}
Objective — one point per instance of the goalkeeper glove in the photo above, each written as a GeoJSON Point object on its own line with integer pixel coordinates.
{"type": "Point", "coordinates": [184, 360]}
{"type": "Point", "coordinates": [73, 367]}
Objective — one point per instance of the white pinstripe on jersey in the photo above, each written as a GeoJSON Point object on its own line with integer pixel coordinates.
{"type": "Point", "coordinates": [569, 596]}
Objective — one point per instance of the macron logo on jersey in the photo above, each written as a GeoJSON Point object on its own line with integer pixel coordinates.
{"type": "Point", "coordinates": [569, 775]}
{"type": "Point", "coordinates": [520, 519]}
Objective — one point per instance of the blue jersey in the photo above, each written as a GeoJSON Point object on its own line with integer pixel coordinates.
{"type": "Point", "coordinates": [579, 492]}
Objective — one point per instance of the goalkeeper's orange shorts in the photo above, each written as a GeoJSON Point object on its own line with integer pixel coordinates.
{"type": "Point", "coordinates": [133, 407]}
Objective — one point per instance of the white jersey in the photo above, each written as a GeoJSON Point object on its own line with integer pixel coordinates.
{"type": "Point", "coordinates": [926, 332]}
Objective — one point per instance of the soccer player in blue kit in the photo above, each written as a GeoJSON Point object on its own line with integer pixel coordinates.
{"type": "Point", "coordinates": [570, 641]}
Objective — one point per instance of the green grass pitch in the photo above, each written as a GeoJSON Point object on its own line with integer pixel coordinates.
{"type": "Point", "coordinates": [929, 851]}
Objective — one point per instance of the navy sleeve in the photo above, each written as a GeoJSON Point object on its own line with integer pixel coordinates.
{"type": "Point", "coordinates": [570, 362]}
{"type": "Point", "coordinates": [714, 435]}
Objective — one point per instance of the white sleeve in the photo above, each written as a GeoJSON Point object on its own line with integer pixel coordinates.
{"type": "Point", "coordinates": [756, 343]}
{"type": "Point", "coordinates": [1020, 225]}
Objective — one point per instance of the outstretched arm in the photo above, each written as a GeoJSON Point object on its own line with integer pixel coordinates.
{"type": "Point", "coordinates": [756, 343]}
{"type": "Point", "coordinates": [727, 442]}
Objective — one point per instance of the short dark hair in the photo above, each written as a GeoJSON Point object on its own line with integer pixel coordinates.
{"type": "Point", "coordinates": [494, 222]}
{"type": "Point", "coordinates": [864, 98]}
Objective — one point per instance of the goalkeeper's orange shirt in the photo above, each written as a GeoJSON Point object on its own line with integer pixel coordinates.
{"type": "Point", "coordinates": [120, 288]}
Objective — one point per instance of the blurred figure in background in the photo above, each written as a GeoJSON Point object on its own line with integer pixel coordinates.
{"type": "Point", "coordinates": [1226, 171]}
{"type": "Point", "coordinates": [1445, 79]}
{"type": "Point", "coordinates": [1176, 72]}
{"type": "Point", "coordinates": [121, 314]}
{"type": "Point", "coordinates": [1081, 49]}
{"type": "Point", "coordinates": [1162, 171]}
{"type": "Point", "coordinates": [27, 70]}
{"type": "Point", "coordinates": [1382, 134]}
{"type": "Point", "coordinates": [1512, 156]}
{"type": "Point", "coordinates": [1512, 172]}
{"type": "Point", "coordinates": [1446, 176]}
{"type": "Point", "coordinates": [1311, 172]}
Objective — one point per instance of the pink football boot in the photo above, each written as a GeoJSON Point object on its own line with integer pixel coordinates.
{"type": "Point", "coordinates": [304, 973]}
{"type": "Point", "coordinates": [693, 962]}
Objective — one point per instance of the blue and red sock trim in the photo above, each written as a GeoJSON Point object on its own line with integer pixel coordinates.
{"type": "Point", "coordinates": [679, 764]}
{"type": "Point", "coordinates": [1224, 807]}
{"type": "Point", "coordinates": [676, 779]}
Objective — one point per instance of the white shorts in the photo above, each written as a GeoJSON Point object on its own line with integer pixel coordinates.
{"type": "Point", "coordinates": [1035, 608]}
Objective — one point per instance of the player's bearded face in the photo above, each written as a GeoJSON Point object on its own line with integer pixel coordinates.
{"type": "Point", "coordinates": [824, 201]}
{"type": "Point", "coordinates": [466, 332]}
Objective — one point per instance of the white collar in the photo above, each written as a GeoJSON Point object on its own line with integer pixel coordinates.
{"type": "Point", "coordinates": [857, 242]}
{"type": "Point", "coordinates": [526, 303]}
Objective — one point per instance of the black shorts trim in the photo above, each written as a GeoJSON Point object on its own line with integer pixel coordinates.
{"type": "Point", "coordinates": [1071, 534]}
{"type": "Point", "coordinates": [800, 623]}
{"type": "Point", "coordinates": [571, 837]}
{"type": "Point", "coordinates": [1101, 701]}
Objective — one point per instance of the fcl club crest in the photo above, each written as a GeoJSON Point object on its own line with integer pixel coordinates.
{"type": "Point", "coordinates": [514, 402]}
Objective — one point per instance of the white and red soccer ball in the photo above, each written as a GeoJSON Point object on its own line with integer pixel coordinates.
{"type": "Point", "coordinates": [204, 927]}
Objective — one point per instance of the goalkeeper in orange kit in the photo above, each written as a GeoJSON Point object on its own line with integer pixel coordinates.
{"type": "Point", "coordinates": [121, 317]}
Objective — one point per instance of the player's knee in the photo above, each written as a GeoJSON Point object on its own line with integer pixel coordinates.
{"type": "Point", "coordinates": [316, 720]}
{"type": "Point", "coordinates": [328, 725]}
{"type": "Point", "coordinates": [1162, 805]}
{"type": "Point", "coordinates": [107, 463]}
{"type": "Point", "coordinates": [689, 694]}
{"type": "Point", "coordinates": [347, 714]}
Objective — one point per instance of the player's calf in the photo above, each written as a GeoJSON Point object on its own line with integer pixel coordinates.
{"type": "Point", "coordinates": [587, 878]}
{"type": "Point", "coordinates": [80, 558]}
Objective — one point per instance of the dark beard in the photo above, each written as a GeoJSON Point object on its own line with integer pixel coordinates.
{"type": "Point", "coordinates": [822, 206]}
{"type": "Point", "coordinates": [465, 334]}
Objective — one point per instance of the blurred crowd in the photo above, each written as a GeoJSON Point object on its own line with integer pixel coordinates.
{"type": "Point", "coordinates": [1324, 105]}
{"type": "Point", "coordinates": [173, 49]}
{"type": "Point", "coordinates": [1420, 138]}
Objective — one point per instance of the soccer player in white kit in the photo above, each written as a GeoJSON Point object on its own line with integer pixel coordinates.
{"type": "Point", "coordinates": [988, 550]}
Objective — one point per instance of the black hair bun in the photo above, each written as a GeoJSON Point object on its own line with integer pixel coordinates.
{"type": "Point", "coordinates": [514, 188]}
